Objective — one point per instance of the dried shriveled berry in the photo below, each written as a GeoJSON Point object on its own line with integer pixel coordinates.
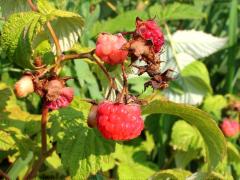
{"type": "Point", "coordinates": [230, 127]}
{"type": "Point", "coordinates": [109, 48]}
{"type": "Point", "coordinates": [119, 121]}
{"type": "Point", "coordinates": [24, 86]}
{"type": "Point", "coordinates": [149, 30]}
{"type": "Point", "coordinates": [54, 88]}
{"type": "Point", "coordinates": [64, 98]}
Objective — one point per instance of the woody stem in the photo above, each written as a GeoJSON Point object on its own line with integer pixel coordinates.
{"type": "Point", "coordinates": [44, 152]}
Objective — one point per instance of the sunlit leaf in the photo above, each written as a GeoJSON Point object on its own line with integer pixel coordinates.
{"type": "Point", "coordinates": [19, 166]}
{"type": "Point", "coordinates": [211, 134]}
{"type": "Point", "coordinates": [17, 36]}
{"type": "Point", "coordinates": [214, 105]}
{"type": "Point", "coordinates": [83, 150]}
{"type": "Point", "coordinates": [183, 48]}
{"type": "Point", "coordinates": [174, 174]}
{"type": "Point", "coordinates": [194, 85]}
{"type": "Point", "coordinates": [197, 44]}
{"type": "Point", "coordinates": [66, 25]}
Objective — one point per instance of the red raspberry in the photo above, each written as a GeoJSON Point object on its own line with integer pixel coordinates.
{"type": "Point", "coordinates": [149, 30]}
{"type": "Point", "coordinates": [108, 48]}
{"type": "Point", "coordinates": [63, 100]}
{"type": "Point", "coordinates": [24, 86]}
{"type": "Point", "coordinates": [119, 121]}
{"type": "Point", "coordinates": [230, 128]}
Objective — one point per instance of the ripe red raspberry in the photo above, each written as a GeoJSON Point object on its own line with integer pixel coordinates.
{"type": "Point", "coordinates": [24, 86]}
{"type": "Point", "coordinates": [119, 121]}
{"type": "Point", "coordinates": [64, 98]}
{"type": "Point", "coordinates": [109, 50]}
{"type": "Point", "coordinates": [149, 30]}
{"type": "Point", "coordinates": [230, 128]}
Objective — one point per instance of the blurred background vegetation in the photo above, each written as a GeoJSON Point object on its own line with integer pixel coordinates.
{"type": "Point", "coordinates": [202, 46]}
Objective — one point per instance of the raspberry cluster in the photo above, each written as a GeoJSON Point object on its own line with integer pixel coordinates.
{"type": "Point", "coordinates": [54, 92]}
{"type": "Point", "coordinates": [119, 119]}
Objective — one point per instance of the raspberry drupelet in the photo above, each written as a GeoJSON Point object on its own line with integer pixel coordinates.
{"type": "Point", "coordinates": [118, 121]}
{"type": "Point", "coordinates": [149, 30]}
{"type": "Point", "coordinates": [108, 48]}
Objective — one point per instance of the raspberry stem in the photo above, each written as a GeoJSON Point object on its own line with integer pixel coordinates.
{"type": "Point", "coordinates": [123, 95]}
{"type": "Point", "coordinates": [44, 152]}
{"type": "Point", "coordinates": [3, 174]}
{"type": "Point", "coordinates": [32, 6]}
{"type": "Point", "coordinates": [125, 81]}
{"type": "Point", "coordinates": [90, 55]}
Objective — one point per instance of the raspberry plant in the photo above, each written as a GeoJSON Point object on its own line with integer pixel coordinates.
{"type": "Point", "coordinates": [84, 137]}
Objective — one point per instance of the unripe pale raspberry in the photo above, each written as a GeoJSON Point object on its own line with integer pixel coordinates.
{"type": "Point", "coordinates": [119, 121]}
{"type": "Point", "coordinates": [108, 48]}
{"type": "Point", "coordinates": [149, 30]}
{"type": "Point", "coordinates": [63, 100]}
{"type": "Point", "coordinates": [24, 86]}
{"type": "Point", "coordinates": [230, 128]}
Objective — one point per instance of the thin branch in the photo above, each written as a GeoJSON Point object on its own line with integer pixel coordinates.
{"type": "Point", "coordinates": [124, 74]}
{"type": "Point", "coordinates": [32, 6]}
{"type": "Point", "coordinates": [90, 55]}
{"type": "Point", "coordinates": [124, 92]}
{"type": "Point", "coordinates": [55, 39]}
{"type": "Point", "coordinates": [44, 153]}
{"type": "Point", "coordinates": [44, 128]}
{"type": "Point", "coordinates": [3, 174]}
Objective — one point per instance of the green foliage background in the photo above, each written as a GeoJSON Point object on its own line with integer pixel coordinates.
{"type": "Point", "coordinates": [181, 137]}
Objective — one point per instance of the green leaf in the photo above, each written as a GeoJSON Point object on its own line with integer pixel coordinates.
{"type": "Point", "coordinates": [197, 44]}
{"type": "Point", "coordinates": [176, 11]}
{"type": "Point", "coordinates": [233, 153]}
{"type": "Point", "coordinates": [5, 94]}
{"type": "Point", "coordinates": [136, 157]}
{"type": "Point", "coordinates": [42, 48]}
{"type": "Point", "coordinates": [214, 105]}
{"type": "Point", "coordinates": [195, 85]}
{"type": "Point", "coordinates": [209, 176]}
{"type": "Point", "coordinates": [233, 27]}
{"type": "Point", "coordinates": [18, 34]}
{"type": "Point", "coordinates": [85, 74]}
{"type": "Point", "coordinates": [188, 144]}
{"type": "Point", "coordinates": [183, 158]}
{"type": "Point", "coordinates": [184, 48]}
{"type": "Point", "coordinates": [185, 140]}
{"type": "Point", "coordinates": [9, 7]}
{"type": "Point", "coordinates": [173, 174]}
{"type": "Point", "coordinates": [6, 141]}
{"type": "Point", "coordinates": [134, 171]}
{"type": "Point", "coordinates": [19, 166]}
{"type": "Point", "coordinates": [54, 163]}
{"type": "Point", "coordinates": [67, 25]}
{"type": "Point", "coordinates": [83, 150]}
{"type": "Point", "coordinates": [123, 22]}
{"type": "Point", "coordinates": [211, 134]}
